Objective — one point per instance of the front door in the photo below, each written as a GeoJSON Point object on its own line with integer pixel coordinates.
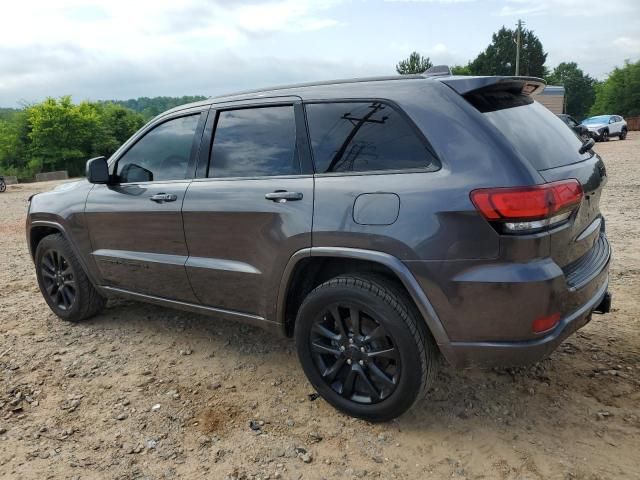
{"type": "Point", "coordinates": [135, 223]}
{"type": "Point", "coordinates": [252, 211]}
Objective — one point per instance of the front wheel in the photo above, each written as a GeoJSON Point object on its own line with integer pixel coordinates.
{"type": "Point", "coordinates": [364, 348]}
{"type": "Point", "coordinates": [604, 137]}
{"type": "Point", "coordinates": [3, 186]}
{"type": "Point", "coordinates": [62, 281]}
{"type": "Point", "coordinates": [623, 134]}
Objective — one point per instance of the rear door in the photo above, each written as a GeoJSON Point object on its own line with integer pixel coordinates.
{"type": "Point", "coordinates": [251, 208]}
{"type": "Point", "coordinates": [135, 222]}
{"type": "Point", "coordinates": [616, 126]}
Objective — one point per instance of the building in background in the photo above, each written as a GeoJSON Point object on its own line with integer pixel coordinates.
{"type": "Point", "coordinates": [553, 98]}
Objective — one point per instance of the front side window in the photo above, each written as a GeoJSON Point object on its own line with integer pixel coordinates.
{"type": "Point", "coordinates": [364, 136]}
{"type": "Point", "coordinates": [162, 154]}
{"type": "Point", "coordinates": [255, 142]}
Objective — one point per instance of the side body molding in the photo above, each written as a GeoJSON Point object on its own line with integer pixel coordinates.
{"type": "Point", "coordinates": [395, 265]}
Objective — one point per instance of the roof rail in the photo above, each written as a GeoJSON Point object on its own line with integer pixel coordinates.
{"type": "Point", "coordinates": [438, 71]}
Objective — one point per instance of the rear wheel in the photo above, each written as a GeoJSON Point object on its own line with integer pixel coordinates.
{"type": "Point", "coordinates": [63, 283]}
{"type": "Point", "coordinates": [623, 134]}
{"type": "Point", "coordinates": [363, 347]}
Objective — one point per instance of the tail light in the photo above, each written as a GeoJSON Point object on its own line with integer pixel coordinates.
{"type": "Point", "coordinates": [529, 209]}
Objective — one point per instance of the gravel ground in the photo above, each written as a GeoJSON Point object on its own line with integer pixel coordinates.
{"type": "Point", "coordinates": [146, 392]}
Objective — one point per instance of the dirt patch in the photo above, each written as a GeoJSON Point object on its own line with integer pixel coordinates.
{"type": "Point", "coordinates": [146, 392]}
{"type": "Point", "coordinates": [217, 418]}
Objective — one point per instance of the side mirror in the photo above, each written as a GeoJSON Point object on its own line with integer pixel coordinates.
{"type": "Point", "coordinates": [613, 120]}
{"type": "Point", "coordinates": [98, 170]}
{"type": "Point", "coordinates": [586, 146]}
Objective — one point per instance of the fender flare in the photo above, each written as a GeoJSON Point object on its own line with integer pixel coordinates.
{"type": "Point", "coordinates": [394, 264]}
{"type": "Point", "coordinates": [63, 231]}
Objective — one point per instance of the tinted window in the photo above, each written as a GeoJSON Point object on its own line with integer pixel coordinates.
{"type": "Point", "coordinates": [162, 154]}
{"type": "Point", "coordinates": [255, 142]}
{"type": "Point", "coordinates": [356, 137]}
{"type": "Point", "coordinates": [538, 135]}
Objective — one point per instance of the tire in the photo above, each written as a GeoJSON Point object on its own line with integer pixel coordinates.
{"type": "Point", "coordinates": [367, 372]}
{"type": "Point", "coordinates": [63, 282]}
{"type": "Point", "coordinates": [623, 134]}
{"type": "Point", "coordinates": [605, 136]}
{"type": "Point", "coordinates": [3, 186]}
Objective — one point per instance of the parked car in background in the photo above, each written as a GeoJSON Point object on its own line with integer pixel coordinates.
{"type": "Point", "coordinates": [367, 219]}
{"type": "Point", "coordinates": [602, 127]}
{"type": "Point", "coordinates": [579, 129]}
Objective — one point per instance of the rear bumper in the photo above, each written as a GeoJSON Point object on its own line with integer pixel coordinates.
{"type": "Point", "coordinates": [530, 351]}
{"type": "Point", "coordinates": [488, 309]}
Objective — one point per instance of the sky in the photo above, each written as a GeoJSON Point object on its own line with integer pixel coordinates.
{"type": "Point", "coordinates": [119, 49]}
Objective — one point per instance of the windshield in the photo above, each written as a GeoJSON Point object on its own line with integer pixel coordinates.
{"type": "Point", "coordinates": [538, 135]}
{"type": "Point", "coordinates": [596, 120]}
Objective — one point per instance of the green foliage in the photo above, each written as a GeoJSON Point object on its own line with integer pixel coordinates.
{"type": "Point", "coordinates": [416, 63]}
{"type": "Point", "coordinates": [499, 58]}
{"type": "Point", "coordinates": [620, 93]}
{"type": "Point", "coordinates": [579, 88]}
{"type": "Point", "coordinates": [59, 135]}
{"type": "Point", "coordinates": [461, 70]}
{"type": "Point", "coordinates": [150, 107]}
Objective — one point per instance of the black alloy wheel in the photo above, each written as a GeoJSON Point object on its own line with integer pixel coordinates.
{"type": "Point", "coordinates": [355, 354]}
{"type": "Point", "coordinates": [63, 282]}
{"type": "Point", "coordinates": [58, 279]}
{"type": "Point", "coordinates": [364, 346]}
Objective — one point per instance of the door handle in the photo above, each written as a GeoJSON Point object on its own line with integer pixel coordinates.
{"type": "Point", "coordinates": [163, 197]}
{"type": "Point", "coordinates": [282, 196]}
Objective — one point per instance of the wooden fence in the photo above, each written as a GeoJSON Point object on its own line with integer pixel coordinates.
{"type": "Point", "coordinates": [44, 177]}
{"type": "Point", "coordinates": [633, 123]}
{"type": "Point", "coordinates": [10, 180]}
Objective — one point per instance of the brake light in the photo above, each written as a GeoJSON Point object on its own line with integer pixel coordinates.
{"type": "Point", "coordinates": [523, 209]}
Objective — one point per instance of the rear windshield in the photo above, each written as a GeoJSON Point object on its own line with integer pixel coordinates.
{"type": "Point", "coordinates": [538, 135]}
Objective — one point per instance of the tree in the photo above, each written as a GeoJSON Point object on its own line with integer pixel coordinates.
{"type": "Point", "coordinates": [620, 92]}
{"type": "Point", "coordinates": [499, 58]}
{"type": "Point", "coordinates": [416, 63]}
{"type": "Point", "coordinates": [579, 88]}
{"type": "Point", "coordinates": [461, 70]}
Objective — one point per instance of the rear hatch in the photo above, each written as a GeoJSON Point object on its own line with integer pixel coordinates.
{"type": "Point", "coordinates": [552, 148]}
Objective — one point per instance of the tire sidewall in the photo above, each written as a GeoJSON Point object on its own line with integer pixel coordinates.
{"type": "Point", "coordinates": [411, 375]}
{"type": "Point", "coordinates": [56, 242]}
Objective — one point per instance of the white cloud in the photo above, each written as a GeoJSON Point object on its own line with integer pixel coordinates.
{"type": "Point", "coordinates": [569, 8]}
{"type": "Point", "coordinates": [627, 45]}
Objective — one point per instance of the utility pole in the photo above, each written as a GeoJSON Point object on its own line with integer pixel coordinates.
{"type": "Point", "coordinates": [518, 43]}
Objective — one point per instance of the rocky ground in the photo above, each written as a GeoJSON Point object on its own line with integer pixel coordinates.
{"type": "Point", "coordinates": [146, 392]}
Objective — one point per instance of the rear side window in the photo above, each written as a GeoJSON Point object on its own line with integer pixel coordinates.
{"type": "Point", "coordinates": [255, 142]}
{"type": "Point", "coordinates": [364, 136]}
{"type": "Point", "coordinates": [538, 135]}
{"type": "Point", "coordinates": [163, 153]}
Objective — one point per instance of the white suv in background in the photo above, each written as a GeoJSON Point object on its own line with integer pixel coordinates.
{"type": "Point", "coordinates": [602, 127]}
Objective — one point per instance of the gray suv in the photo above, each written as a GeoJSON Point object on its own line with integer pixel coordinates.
{"type": "Point", "coordinates": [381, 223]}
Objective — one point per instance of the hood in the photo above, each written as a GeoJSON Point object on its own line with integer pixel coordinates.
{"type": "Point", "coordinates": [594, 126]}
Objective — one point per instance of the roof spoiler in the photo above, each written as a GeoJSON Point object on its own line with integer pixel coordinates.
{"type": "Point", "coordinates": [519, 85]}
